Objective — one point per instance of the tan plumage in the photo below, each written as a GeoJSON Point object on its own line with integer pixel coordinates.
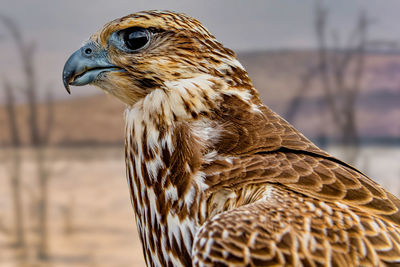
{"type": "Point", "coordinates": [216, 178]}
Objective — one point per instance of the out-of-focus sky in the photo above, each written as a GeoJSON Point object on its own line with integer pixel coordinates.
{"type": "Point", "coordinates": [59, 27]}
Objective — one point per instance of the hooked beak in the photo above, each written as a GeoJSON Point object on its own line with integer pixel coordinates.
{"type": "Point", "coordinates": [84, 66]}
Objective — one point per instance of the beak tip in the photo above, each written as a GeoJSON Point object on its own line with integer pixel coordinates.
{"type": "Point", "coordinates": [66, 85]}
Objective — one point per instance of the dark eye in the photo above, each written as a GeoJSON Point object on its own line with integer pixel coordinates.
{"type": "Point", "coordinates": [136, 38]}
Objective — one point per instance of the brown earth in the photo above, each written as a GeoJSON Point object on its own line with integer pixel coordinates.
{"type": "Point", "coordinates": [91, 222]}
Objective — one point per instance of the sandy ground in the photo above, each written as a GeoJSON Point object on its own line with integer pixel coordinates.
{"type": "Point", "coordinates": [91, 222]}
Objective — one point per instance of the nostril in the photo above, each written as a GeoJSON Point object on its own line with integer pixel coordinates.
{"type": "Point", "coordinates": [88, 51]}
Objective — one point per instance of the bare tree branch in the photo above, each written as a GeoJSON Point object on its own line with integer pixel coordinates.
{"type": "Point", "coordinates": [37, 140]}
{"type": "Point", "coordinates": [26, 52]}
{"type": "Point", "coordinates": [49, 120]}
{"type": "Point", "coordinates": [15, 172]}
{"type": "Point", "coordinates": [11, 114]}
{"type": "Point", "coordinates": [340, 68]}
{"type": "Point", "coordinates": [321, 15]}
{"type": "Point", "coordinates": [305, 85]}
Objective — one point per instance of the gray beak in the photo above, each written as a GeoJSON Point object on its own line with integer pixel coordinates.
{"type": "Point", "coordinates": [84, 65]}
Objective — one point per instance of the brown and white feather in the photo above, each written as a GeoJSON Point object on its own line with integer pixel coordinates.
{"type": "Point", "coordinates": [218, 179]}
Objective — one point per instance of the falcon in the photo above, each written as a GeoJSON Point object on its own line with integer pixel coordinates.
{"type": "Point", "coordinates": [216, 178]}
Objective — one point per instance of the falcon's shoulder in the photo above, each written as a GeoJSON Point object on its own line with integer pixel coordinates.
{"type": "Point", "coordinates": [259, 147]}
{"type": "Point", "coordinates": [291, 229]}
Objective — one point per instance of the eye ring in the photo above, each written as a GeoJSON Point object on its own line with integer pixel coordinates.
{"type": "Point", "coordinates": [135, 38]}
{"type": "Point", "coordinates": [88, 51]}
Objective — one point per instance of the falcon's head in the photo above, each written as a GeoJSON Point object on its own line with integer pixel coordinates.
{"type": "Point", "coordinates": [134, 55]}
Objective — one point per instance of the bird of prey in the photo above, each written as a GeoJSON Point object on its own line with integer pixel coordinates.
{"type": "Point", "coordinates": [216, 178]}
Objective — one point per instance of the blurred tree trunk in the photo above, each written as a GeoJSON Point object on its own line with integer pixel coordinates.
{"type": "Point", "coordinates": [38, 140]}
{"type": "Point", "coordinates": [15, 168]}
{"type": "Point", "coordinates": [305, 84]}
{"type": "Point", "coordinates": [42, 203]}
{"type": "Point", "coordinates": [43, 173]}
{"type": "Point", "coordinates": [340, 70]}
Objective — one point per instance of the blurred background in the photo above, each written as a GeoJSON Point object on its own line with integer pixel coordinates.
{"type": "Point", "coordinates": [330, 68]}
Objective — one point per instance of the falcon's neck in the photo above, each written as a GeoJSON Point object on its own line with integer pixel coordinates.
{"type": "Point", "coordinates": [167, 134]}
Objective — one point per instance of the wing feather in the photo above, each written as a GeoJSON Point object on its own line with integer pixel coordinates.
{"type": "Point", "coordinates": [312, 175]}
{"type": "Point", "coordinates": [290, 229]}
